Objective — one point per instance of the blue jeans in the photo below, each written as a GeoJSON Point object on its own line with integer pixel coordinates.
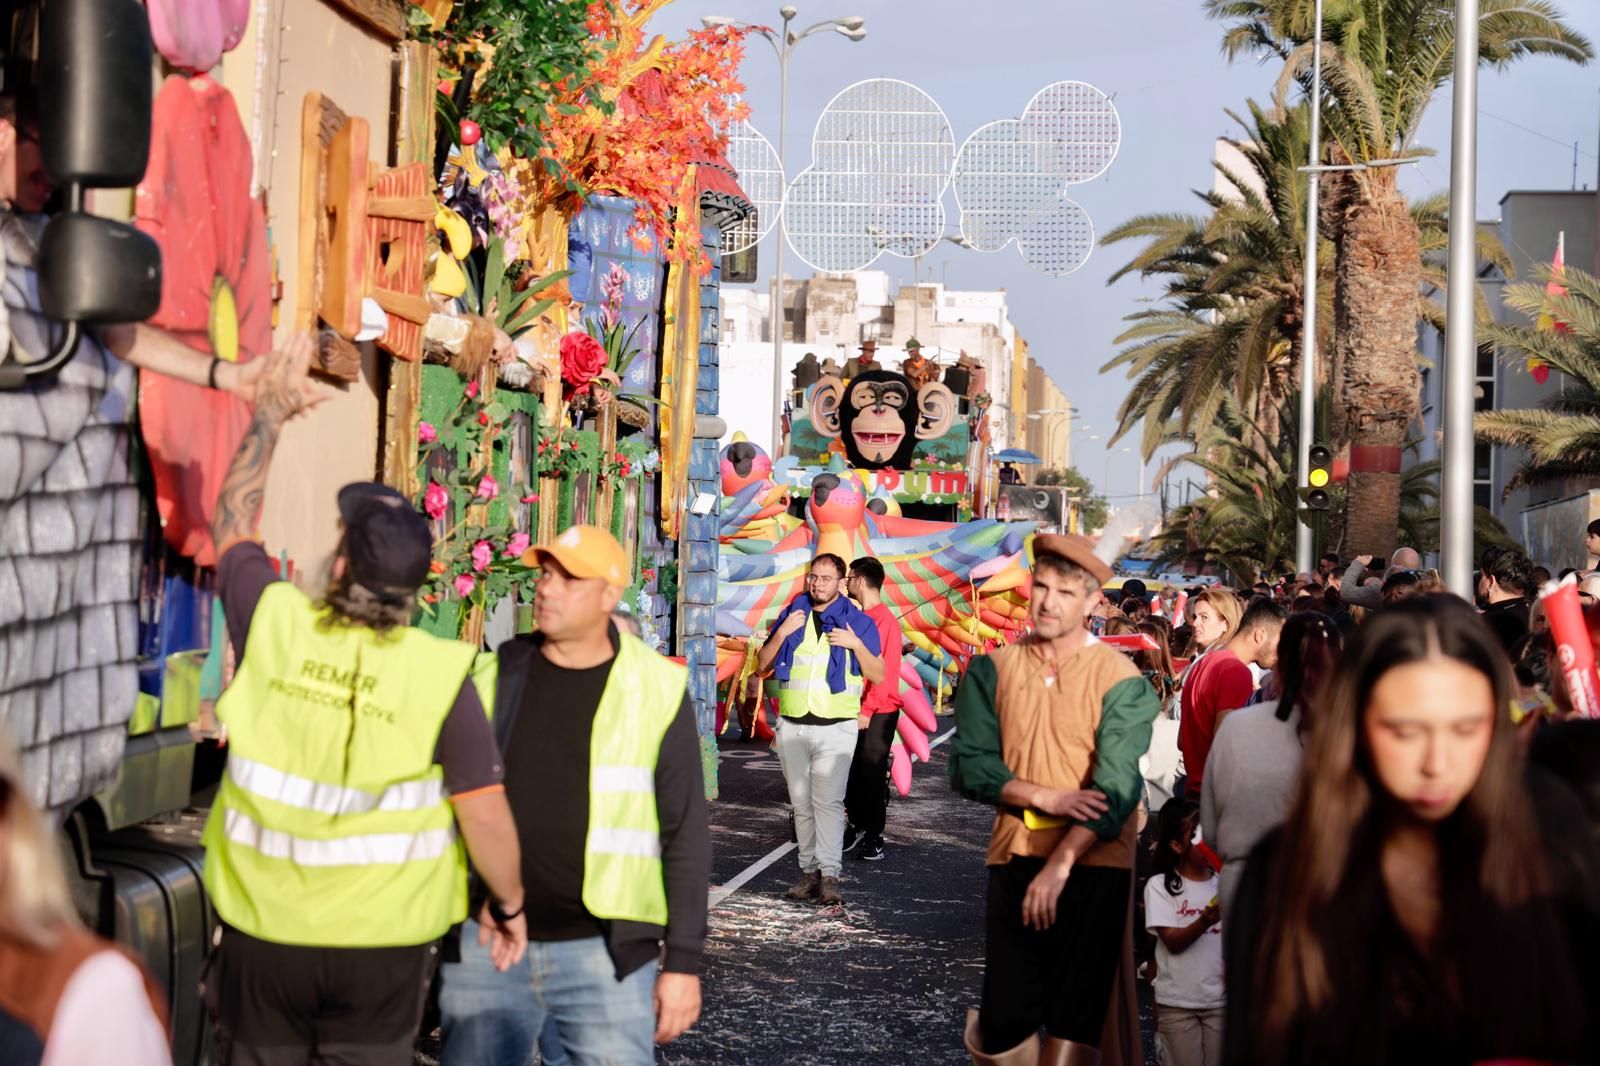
{"type": "Point", "coordinates": [495, 1019]}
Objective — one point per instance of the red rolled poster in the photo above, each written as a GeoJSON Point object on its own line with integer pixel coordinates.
{"type": "Point", "coordinates": [1574, 648]}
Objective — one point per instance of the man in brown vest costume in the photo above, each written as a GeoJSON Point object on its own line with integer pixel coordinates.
{"type": "Point", "coordinates": [1050, 731]}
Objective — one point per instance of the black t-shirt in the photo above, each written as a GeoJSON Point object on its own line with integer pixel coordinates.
{"type": "Point", "coordinates": [547, 772]}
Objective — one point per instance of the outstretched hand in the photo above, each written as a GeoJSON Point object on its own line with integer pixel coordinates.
{"type": "Point", "coordinates": [282, 390]}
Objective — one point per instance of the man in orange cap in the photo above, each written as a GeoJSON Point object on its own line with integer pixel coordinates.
{"type": "Point", "coordinates": [602, 768]}
{"type": "Point", "coordinates": [1050, 731]}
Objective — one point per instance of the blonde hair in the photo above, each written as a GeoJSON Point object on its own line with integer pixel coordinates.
{"type": "Point", "coordinates": [1226, 603]}
{"type": "Point", "coordinates": [35, 904]}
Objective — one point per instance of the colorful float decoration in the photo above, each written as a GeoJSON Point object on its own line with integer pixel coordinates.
{"type": "Point", "coordinates": [216, 296]}
{"type": "Point", "coordinates": [959, 588]}
{"type": "Point", "coordinates": [192, 35]}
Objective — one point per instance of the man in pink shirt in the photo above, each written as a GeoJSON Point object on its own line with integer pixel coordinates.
{"type": "Point", "coordinates": [1222, 681]}
{"type": "Point", "coordinates": [866, 798]}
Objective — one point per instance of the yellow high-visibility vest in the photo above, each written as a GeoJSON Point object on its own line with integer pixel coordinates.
{"type": "Point", "coordinates": [332, 827]}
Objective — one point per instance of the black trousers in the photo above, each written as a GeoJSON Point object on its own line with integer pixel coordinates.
{"type": "Point", "coordinates": [278, 1004]}
{"type": "Point", "coordinates": [866, 797]}
{"type": "Point", "coordinates": [1059, 978]}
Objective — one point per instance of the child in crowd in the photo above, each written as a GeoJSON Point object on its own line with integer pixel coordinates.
{"type": "Point", "coordinates": [1182, 910]}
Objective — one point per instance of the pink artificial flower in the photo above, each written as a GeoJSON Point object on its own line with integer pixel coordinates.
{"type": "Point", "coordinates": [482, 555]}
{"type": "Point", "coordinates": [426, 434]}
{"type": "Point", "coordinates": [465, 583]}
{"type": "Point", "coordinates": [436, 501]}
{"type": "Point", "coordinates": [517, 545]}
{"type": "Point", "coordinates": [532, 497]}
{"type": "Point", "coordinates": [472, 390]}
{"type": "Point", "coordinates": [488, 488]}
{"type": "Point", "coordinates": [615, 284]}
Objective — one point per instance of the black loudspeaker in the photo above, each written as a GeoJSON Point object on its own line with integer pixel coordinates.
{"type": "Point", "coordinates": [96, 270]}
{"type": "Point", "coordinates": [94, 86]}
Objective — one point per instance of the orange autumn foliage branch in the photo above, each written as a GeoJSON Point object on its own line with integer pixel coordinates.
{"type": "Point", "coordinates": [671, 104]}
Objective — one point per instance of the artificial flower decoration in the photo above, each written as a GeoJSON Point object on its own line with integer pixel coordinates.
{"type": "Point", "coordinates": [582, 360]}
{"type": "Point", "coordinates": [436, 501]}
{"type": "Point", "coordinates": [193, 34]}
{"type": "Point", "coordinates": [216, 296]}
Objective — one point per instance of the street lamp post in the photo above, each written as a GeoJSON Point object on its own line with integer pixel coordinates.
{"type": "Point", "coordinates": [783, 42]}
{"type": "Point", "coordinates": [1111, 453]}
{"type": "Point", "coordinates": [1308, 294]}
{"type": "Point", "coordinates": [1461, 347]}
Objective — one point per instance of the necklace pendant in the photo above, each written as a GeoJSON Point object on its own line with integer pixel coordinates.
{"type": "Point", "coordinates": [1049, 680]}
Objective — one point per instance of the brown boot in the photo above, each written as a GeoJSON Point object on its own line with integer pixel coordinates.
{"type": "Point", "coordinates": [1024, 1054]}
{"type": "Point", "coordinates": [829, 894]}
{"type": "Point", "coordinates": [1058, 1052]}
{"type": "Point", "coordinates": [807, 886]}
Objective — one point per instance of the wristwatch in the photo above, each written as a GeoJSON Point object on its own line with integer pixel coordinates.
{"type": "Point", "coordinates": [504, 916]}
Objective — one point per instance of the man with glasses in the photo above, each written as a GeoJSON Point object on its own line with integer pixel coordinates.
{"type": "Point", "coordinates": [821, 648]}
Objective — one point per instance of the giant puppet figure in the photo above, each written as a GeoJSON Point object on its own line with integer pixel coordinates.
{"type": "Point", "coordinates": [880, 417]}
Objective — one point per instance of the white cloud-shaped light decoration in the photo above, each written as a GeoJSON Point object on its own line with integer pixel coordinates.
{"type": "Point", "coordinates": [880, 164]}
{"type": "Point", "coordinates": [1011, 176]}
{"type": "Point", "coordinates": [760, 176]}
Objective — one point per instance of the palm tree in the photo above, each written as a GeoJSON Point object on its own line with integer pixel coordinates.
{"type": "Point", "coordinates": [1230, 320]}
{"type": "Point", "coordinates": [1246, 524]}
{"type": "Point", "coordinates": [1383, 62]}
{"type": "Point", "coordinates": [1230, 315]}
{"type": "Point", "coordinates": [1562, 434]}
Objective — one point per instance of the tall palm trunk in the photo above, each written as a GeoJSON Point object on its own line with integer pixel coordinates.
{"type": "Point", "coordinates": [1379, 276]}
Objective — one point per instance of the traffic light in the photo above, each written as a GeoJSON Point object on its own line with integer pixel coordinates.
{"type": "Point", "coordinates": [1319, 477]}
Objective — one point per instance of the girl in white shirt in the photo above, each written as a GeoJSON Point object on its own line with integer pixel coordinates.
{"type": "Point", "coordinates": [1181, 909]}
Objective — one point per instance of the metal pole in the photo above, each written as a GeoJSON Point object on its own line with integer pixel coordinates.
{"type": "Point", "coordinates": [783, 237]}
{"type": "Point", "coordinates": [1460, 338]}
{"type": "Point", "coordinates": [1308, 296]}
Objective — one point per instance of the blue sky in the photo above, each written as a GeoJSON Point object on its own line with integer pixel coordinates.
{"type": "Point", "coordinates": [1161, 62]}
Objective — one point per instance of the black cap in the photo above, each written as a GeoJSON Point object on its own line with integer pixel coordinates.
{"type": "Point", "coordinates": [387, 542]}
{"type": "Point", "coordinates": [1134, 587]}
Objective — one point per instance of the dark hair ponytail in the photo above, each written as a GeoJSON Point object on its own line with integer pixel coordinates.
{"type": "Point", "coordinates": [1170, 823]}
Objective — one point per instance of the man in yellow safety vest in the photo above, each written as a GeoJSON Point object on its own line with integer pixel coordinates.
{"type": "Point", "coordinates": [821, 648]}
{"type": "Point", "coordinates": [356, 748]}
{"type": "Point", "coordinates": [603, 773]}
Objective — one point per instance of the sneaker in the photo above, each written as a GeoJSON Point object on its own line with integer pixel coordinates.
{"type": "Point", "coordinates": [872, 850]}
{"type": "Point", "coordinates": [807, 886]}
{"type": "Point", "coordinates": [829, 894]}
{"type": "Point", "coordinates": [852, 837]}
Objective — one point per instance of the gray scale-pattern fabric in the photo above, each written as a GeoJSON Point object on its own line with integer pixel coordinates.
{"type": "Point", "coordinates": [69, 553]}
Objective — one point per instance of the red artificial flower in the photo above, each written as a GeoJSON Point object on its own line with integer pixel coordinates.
{"type": "Point", "coordinates": [483, 418]}
{"type": "Point", "coordinates": [582, 360]}
{"type": "Point", "coordinates": [472, 390]}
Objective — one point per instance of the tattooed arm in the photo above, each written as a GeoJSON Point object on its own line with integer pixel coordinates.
{"type": "Point", "coordinates": [282, 392]}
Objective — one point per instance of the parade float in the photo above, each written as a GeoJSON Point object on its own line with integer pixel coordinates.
{"type": "Point", "coordinates": [882, 462]}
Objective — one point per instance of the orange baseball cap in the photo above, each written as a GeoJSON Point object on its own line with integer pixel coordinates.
{"type": "Point", "coordinates": [584, 552]}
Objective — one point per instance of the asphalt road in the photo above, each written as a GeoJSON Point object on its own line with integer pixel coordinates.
{"type": "Point", "coordinates": [886, 978]}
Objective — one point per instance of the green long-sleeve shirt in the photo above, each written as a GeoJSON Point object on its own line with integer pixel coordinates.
{"type": "Point", "coordinates": [978, 767]}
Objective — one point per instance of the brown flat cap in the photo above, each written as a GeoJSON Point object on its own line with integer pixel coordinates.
{"type": "Point", "coordinates": [1076, 550]}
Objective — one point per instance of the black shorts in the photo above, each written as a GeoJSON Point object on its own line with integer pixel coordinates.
{"type": "Point", "coordinates": [1060, 978]}
{"type": "Point", "coordinates": [277, 1004]}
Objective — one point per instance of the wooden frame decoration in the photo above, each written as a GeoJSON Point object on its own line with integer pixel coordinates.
{"type": "Point", "coordinates": [399, 223]}
{"type": "Point", "coordinates": [334, 188]}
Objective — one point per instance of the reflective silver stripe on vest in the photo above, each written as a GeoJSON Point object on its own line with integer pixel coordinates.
{"type": "Point", "coordinates": [641, 843]}
{"type": "Point", "coordinates": [371, 849]}
{"type": "Point", "coordinates": [622, 779]}
{"type": "Point", "coordinates": [262, 780]}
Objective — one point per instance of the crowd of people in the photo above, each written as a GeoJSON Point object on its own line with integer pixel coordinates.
{"type": "Point", "coordinates": [1352, 817]}
{"type": "Point", "coordinates": [1369, 821]}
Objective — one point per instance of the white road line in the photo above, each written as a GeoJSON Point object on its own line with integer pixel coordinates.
{"type": "Point", "coordinates": [748, 875]}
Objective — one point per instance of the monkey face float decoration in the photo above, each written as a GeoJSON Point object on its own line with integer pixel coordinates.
{"type": "Point", "coordinates": [881, 417]}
